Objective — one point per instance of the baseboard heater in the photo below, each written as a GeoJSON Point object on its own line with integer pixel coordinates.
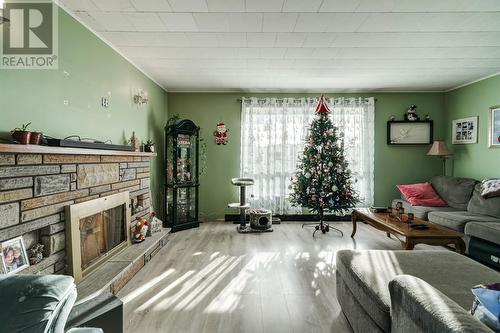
{"type": "Point", "coordinates": [235, 218]}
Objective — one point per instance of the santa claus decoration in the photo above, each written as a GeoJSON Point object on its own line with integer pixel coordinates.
{"type": "Point", "coordinates": [140, 230]}
{"type": "Point", "coordinates": [221, 134]}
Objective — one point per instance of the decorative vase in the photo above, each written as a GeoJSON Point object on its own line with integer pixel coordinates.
{"type": "Point", "coordinates": [23, 137]}
{"type": "Point", "coordinates": [35, 138]}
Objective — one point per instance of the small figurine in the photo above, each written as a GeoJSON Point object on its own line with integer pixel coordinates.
{"type": "Point", "coordinates": [411, 114]}
{"type": "Point", "coordinates": [427, 117]}
{"type": "Point", "coordinates": [220, 134]}
{"type": "Point", "coordinates": [140, 230]}
{"type": "Point", "coordinates": [35, 254]}
{"type": "Point", "coordinates": [392, 118]}
{"type": "Point", "coordinates": [134, 142]}
{"type": "Point", "coordinates": [155, 224]}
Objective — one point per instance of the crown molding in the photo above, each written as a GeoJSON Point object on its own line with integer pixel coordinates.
{"type": "Point", "coordinates": [472, 82]}
{"type": "Point", "coordinates": [79, 20]}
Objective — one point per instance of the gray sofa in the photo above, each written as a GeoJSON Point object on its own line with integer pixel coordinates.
{"type": "Point", "coordinates": [467, 212]}
{"type": "Point", "coordinates": [409, 291]}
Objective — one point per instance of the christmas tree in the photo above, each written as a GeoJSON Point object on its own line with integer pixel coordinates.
{"type": "Point", "coordinates": [323, 181]}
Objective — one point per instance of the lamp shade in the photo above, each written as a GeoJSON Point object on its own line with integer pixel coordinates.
{"type": "Point", "coordinates": [439, 149]}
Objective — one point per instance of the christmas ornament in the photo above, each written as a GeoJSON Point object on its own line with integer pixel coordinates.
{"type": "Point", "coordinates": [220, 134]}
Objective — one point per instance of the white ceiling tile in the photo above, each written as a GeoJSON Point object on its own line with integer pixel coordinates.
{"type": "Point", "coordinates": [112, 21]}
{"type": "Point", "coordinates": [261, 39]}
{"type": "Point", "coordinates": [329, 22]}
{"type": "Point", "coordinates": [232, 39]}
{"type": "Point", "coordinates": [226, 5]}
{"type": "Point", "coordinates": [377, 6]}
{"type": "Point", "coordinates": [263, 6]}
{"type": "Point", "coordinates": [302, 6]}
{"type": "Point", "coordinates": [245, 22]}
{"type": "Point", "coordinates": [79, 5]}
{"type": "Point", "coordinates": [320, 39]}
{"type": "Point", "coordinates": [212, 22]}
{"type": "Point", "coordinates": [145, 21]}
{"type": "Point", "coordinates": [273, 52]}
{"type": "Point", "coordinates": [201, 39]}
{"type": "Point", "coordinates": [251, 45]}
{"type": "Point", "coordinates": [89, 21]}
{"type": "Point", "coordinates": [178, 21]}
{"type": "Point", "coordinates": [152, 5]}
{"type": "Point", "coordinates": [282, 22]}
{"type": "Point", "coordinates": [114, 5]}
{"type": "Point", "coordinates": [189, 5]}
{"type": "Point", "coordinates": [248, 53]}
{"type": "Point", "coordinates": [290, 39]}
{"type": "Point", "coordinates": [339, 6]}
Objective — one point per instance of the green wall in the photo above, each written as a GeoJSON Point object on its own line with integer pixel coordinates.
{"type": "Point", "coordinates": [474, 160]}
{"type": "Point", "coordinates": [88, 70]}
{"type": "Point", "coordinates": [393, 165]}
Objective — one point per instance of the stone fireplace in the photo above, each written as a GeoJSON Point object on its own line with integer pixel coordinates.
{"type": "Point", "coordinates": [37, 183]}
{"type": "Point", "coordinates": [96, 231]}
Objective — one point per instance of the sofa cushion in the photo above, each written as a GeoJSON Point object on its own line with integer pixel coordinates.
{"type": "Point", "coordinates": [36, 303]}
{"type": "Point", "coordinates": [367, 274]}
{"type": "Point", "coordinates": [421, 194]}
{"type": "Point", "coordinates": [458, 220]}
{"type": "Point", "coordinates": [454, 190]}
{"type": "Point", "coordinates": [489, 231]}
{"type": "Point", "coordinates": [480, 205]}
{"type": "Point", "coordinates": [421, 212]}
{"type": "Point", "coordinates": [490, 188]}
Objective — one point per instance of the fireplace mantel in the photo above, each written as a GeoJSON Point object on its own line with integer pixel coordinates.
{"type": "Point", "coordinates": [35, 149]}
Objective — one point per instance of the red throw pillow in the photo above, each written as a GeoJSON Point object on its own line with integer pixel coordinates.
{"type": "Point", "coordinates": [421, 195]}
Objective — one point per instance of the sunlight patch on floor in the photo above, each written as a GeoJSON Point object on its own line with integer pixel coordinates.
{"type": "Point", "coordinates": [229, 298]}
{"type": "Point", "coordinates": [145, 288]}
{"type": "Point", "coordinates": [165, 291]}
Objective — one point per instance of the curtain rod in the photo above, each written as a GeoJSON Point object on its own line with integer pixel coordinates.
{"type": "Point", "coordinates": [298, 99]}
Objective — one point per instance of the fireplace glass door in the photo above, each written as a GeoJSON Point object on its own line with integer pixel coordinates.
{"type": "Point", "coordinates": [100, 233]}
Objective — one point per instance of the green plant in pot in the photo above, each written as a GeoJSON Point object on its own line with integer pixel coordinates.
{"type": "Point", "coordinates": [149, 146]}
{"type": "Point", "coordinates": [21, 134]}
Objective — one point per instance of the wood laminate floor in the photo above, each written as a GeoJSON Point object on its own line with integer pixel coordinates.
{"type": "Point", "coordinates": [213, 279]}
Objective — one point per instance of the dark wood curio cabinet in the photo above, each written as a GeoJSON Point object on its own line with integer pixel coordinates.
{"type": "Point", "coordinates": [182, 155]}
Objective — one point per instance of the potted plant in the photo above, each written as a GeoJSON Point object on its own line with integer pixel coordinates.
{"type": "Point", "coordinates": [21, 134]}
{"type": "Point", "coordinates": [149, 147]}
{"type": "Point", "coordinates": [35, 138]}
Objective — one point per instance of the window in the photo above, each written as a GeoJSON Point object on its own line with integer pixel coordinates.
{"type": "Point", "coordinates": [272, 137]}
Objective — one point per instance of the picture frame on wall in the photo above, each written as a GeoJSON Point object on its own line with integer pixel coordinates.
{"type": "Point", "coordinates": [494, 132]}
{"type": "Point", "coordinates": [464, 131]}
{"type": "Point", "coordinates": [418, 132]}
{"type": "Point", "coordinates": [14, 256]}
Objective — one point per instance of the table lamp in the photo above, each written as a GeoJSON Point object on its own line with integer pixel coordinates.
{"type": "Point", "coordinates": [439, 149]}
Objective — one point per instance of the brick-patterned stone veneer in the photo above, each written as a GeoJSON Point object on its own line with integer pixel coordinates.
{"type": "Point", "coordinates": [36, 188]}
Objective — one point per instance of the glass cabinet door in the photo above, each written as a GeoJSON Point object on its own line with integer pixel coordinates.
{"type": "Point", "coordinates": [185, 199]}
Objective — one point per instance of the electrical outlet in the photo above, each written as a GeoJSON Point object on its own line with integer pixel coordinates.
{"type": "Point", "coordinates": [104, 102]}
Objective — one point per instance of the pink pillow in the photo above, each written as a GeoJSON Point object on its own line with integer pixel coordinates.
{"type": "Point", "coordinates": [421, 195]}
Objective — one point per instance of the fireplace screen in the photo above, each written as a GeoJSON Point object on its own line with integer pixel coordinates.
{"type": "Point", "coordinates": [101, 233]}
{"type": "Point", "coordinates": [96, 230]}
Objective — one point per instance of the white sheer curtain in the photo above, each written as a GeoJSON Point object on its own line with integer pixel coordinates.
{"type": "Point", "coordinates": [272, 137]}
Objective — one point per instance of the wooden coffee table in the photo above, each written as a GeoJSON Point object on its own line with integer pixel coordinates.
{"type": "Point", "coordinates": [409, 237]}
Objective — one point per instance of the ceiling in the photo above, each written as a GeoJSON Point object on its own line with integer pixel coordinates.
{"type": "Point", "coordinates": [301, 45]}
